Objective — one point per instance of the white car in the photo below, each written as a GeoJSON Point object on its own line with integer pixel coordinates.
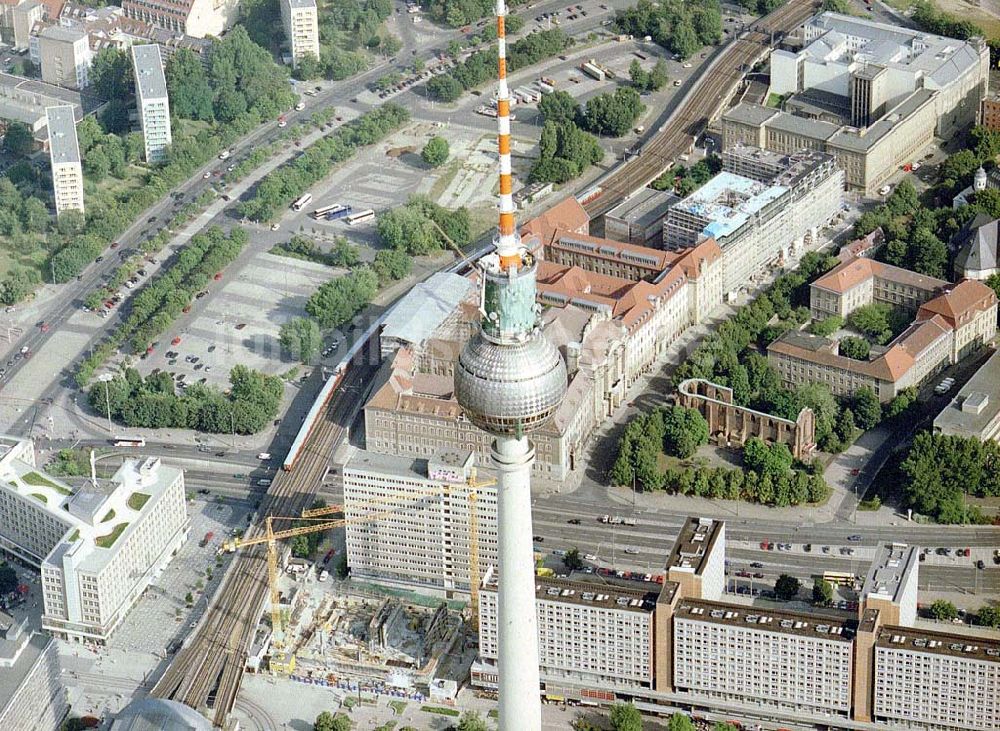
{"type": "Point", "coordinates": [224, 155]}
{"type": "Point", "coordinates": [207, 175]}
{"type": "Point", "coordinates": [590, 557]}
{"type": "Point", "coordinates": [631, 551]}
{"type": "Point", "coordinates": [300, 106]}
{"type": "Point", "coordinates": [264, 455]}
{"type": "Point", "coordinates": [884, 190]}
{"type": "Point", "coordinates": [686, 65]}
{"type": "Point", "coordinates": [275, 226]}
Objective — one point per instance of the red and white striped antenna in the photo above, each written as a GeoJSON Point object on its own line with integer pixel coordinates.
{"type": "Point", "coordinates": [508, 242]}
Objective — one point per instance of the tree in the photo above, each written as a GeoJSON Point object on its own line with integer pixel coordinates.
{"type": "Point", "coordinates": [327, 721]}
{"type": "Point", "coordinates": [18, 139]}
{"type": "Point", "coordinates": [613, 114]}
{"type": "Point", "coordinates": [308, 68]}
{"type": "Point", "coordinates": [684, 430]}
{"type": "Point", "coordinates": [680, 722]}
{"type": "Point", "coordinates": [638, 75]}
{"type": "Point", "coordinates": [943, 610]}
{"type": "Point", "coordinates": [827, 326]}
{"type": "Point", "coordinates": [472, 721]}
{"type": "Point", "coordinates": [8, 580]}
{"type": "Point", "coordinates": [625, 717]}
{"type": "Point", "coordinates": [764, 459]}
{"type": "Point", "coordinates": [189, 599]}
{"type": "Point", "coordinates": [571, 559]}
{"type": "Point", "coordinates": [845, 425]}
{"type": "Point", "coordinates": [111, 73]}
{"type": "Point", "coordinates": [187, 84]}
{"type": "Point", "coordinates": [435, 152]}
{"type": "Point", "coordinates": [444, 88]}
{"type": "Point", "coordinates": [988, 616]}
{"type": "Point", "coordinates": [822, 591]}
{"type": "Point", "coordinates": [786, 587]}
{"type": "Point", "coordinates": [301, 339]}
{"type": "Point", "coordinates": [854, 347]}
{"type": "Point", "coordinates": [391, 264]}
{"type": "Point", "coordinates": [558, 107]}
{"type": "Point", "coordinates": [866, 407]}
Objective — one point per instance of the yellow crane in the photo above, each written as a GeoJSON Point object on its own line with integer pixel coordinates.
{"type": "Point", "coordinates": [323, 522]}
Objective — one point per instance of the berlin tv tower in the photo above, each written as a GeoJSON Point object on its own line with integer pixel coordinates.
{"type": "Point", "coordinates": [509, 380]}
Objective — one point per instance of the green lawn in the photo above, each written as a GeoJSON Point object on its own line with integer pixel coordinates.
{"type": "Point", "coordinates": [36, 480]}
{"type": "Point", "coordinates": [108, 540]}
{"type": "Point", "coordinates": [39, 496]}
{"type": "Point", "coordinates": [108, 516]}
{"type": "Point", "coordinates": [137, 500]}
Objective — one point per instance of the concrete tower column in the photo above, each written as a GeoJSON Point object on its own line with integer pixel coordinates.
{"type": "Point", "coordinates": [517, 620]}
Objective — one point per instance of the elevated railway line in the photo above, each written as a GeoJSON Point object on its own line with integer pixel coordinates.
{"type": "Point", "coordinates": [696, 109]}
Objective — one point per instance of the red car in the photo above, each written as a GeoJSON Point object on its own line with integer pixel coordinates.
{"type": "Point", "coordinates": [187, 308]}
{"type": "Point", "coordinates": [114, 244]}
{"type": "Point", "coordinates": [175, 341]}
{"type": "Point", "coordinates": [218, 276]}
{"type": "Point", "coordinates": [149, 350]}
{"type": "Point", "coordinates": [44, 327]}
{"type": "Point", "coordinates": [855, 472]}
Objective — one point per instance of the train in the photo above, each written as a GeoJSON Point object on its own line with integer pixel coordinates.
{"type": "Point", "coordinates": [333, 381]}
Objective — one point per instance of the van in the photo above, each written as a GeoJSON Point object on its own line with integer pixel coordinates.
{"type": "Point", "coordinates": [264, 482]}
{"type": "Point", "coordinates": [224, 155]}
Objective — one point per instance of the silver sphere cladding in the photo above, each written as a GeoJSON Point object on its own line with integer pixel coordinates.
{"type": "Point", "coordinates": [509, 389]}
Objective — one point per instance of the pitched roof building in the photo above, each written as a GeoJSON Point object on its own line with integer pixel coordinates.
{"type": "Point", "coordinates": [977, 248]}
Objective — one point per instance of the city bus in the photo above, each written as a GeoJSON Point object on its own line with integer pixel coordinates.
{"type": "Point", "coordinates": [130, 442]}
{"type": "Point", "coordinates": [323, 210]}
{"type": "Point", "coordinates": [360, 217]}
{"type": "Point", "coordinates": [839, 578]}
{"type": "Point", "coordinates": [342, 213]}
{"type": "Point", "coordinates": [302, 202]}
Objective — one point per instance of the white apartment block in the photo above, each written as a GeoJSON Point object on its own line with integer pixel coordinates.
{"type": "Point", "coordinates": [301, 28]}
{"type": "Point", "coordinates": [32, 695]}
{"type": "Point", "coordinates": [593, 634]}
{"type": "Point", "coordinates": [762, 657]}
{"type": "Point", "coordinates": [197, 18]}
{"type": "Point", "coordinates": [409, 520]}
{"type": "Point", "coordinates": [936, 681]}
{"type": "Point", "coordinates": [99, 546]}
{"type": "Point", "coordinates": [65, 56]}
{"type": "Point", "coordinates": [64, 156]}
{"type": "Point", "coordinates": [151, 98]}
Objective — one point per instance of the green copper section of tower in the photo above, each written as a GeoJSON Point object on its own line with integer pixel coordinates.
{"type": "Point", "coordinates": [509, 302]}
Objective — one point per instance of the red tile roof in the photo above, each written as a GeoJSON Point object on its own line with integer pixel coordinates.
{"type": "Point", "coordinates": [955, 305]}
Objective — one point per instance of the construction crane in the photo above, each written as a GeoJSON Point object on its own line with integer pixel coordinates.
{"type": "Point", "coordinates": [323, 522]}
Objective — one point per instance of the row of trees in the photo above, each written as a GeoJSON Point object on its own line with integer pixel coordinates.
{"type": "Point", "coordinates": [681, 27]}
{"type": "Point", "coordinates": [341, 254]}
{"type": "Point", "coordinates": [283, 185]}
{"type": "Point", "coordinates": [159, 303]}
{"type": "Point", "coordinates": [939, 471]}
{"type": "Point", "coordinates": [767, 477]}
{"type": "Point", "coordinates": [481, 66]}
{"type": "Point", "coordinates": [457, 13]}
{"type": "Point", "coordinates": [931, 19]}
{"type": "Point", "coordinates": [652, 80]}
{"type": "Point", "coordinates": [152, 402]}
{"type": "Point", "coordinates": [944, 611]}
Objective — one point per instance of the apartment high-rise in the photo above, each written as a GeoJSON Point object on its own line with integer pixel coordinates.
{"type": "Point", "coordinates": [152, 101]}
{"type": "Point", "coordinates": [64, 155]}
{"type": "Point", "coordinates": [65, 56]}
{"type": "Point", "coordinates": [424, 540]}
{"type": "Point", "coordinates": [301, 22]}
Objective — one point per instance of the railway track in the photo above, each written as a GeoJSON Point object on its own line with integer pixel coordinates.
{"type": "Point", "coordinates": [693, 115]}
{"type": "Point", "coordinates": [206, 672]}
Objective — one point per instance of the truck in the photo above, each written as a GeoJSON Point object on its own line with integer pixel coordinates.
{"type": "Point", "coordinates": [591, 69]}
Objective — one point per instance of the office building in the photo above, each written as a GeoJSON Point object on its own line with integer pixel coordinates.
{"type": "Point", "coordinates": [948, 327]}
{"type": "Point", "coordinates": [864, 281]}
{"type": "Point", "coordinates": [762, 209]}
{"type": "Point", "coordinates": [32, 695]}
{"type": "Point", "coordinates": [99, 546]}
{"type": "Point", "coordinates": [891, 584]}
{"type": "Point", "coordinates": [974, 412]}
{"type": "Point", "coordinates": [871, 95]}
{"type": "Point", "coordinates": [152, 101]}
{"type": "Point", "coordinates": [639, 219]}
{"type": "Point", "coordinates": [977, 248]}
{"type": "Point", "coordinates": [197, 18]}
{"type": "Point", "coordinates": [64, 156]}
{"type": "Point", "coordinates": [590, 634]}
{"type": "Point", "coordinates": [65, 56]}
{"type": "Point", "coordinates": [301, 29]}
{"type": "Point", "coordinates": [425, 541]}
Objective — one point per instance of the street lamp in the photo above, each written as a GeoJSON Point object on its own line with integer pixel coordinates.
{"type": "Point", "coordinates": [106, 378]}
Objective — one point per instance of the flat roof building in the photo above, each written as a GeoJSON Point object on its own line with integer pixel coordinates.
{"type": "Point", "coordinates": [975, 411]}
{"type": "Point", "coordinates": [32, 695]}
{"type": "Point", "coordinates": [152, 101]}
{"type": "Point", "coordinates": [65, 56]}
{"type": "Point", "coordinates": [639, 218]}
{"type": "Point", "coordinates": [197, 18]}
{"type": "Point", "coordinates": [891, 584]}
{"type": "Point", "coordinates": [64, 157]}
{"type": "Point", "coordinates": [98, 546]}
{"type": "Point", "coordinates": [697, 562]}
{"type": "Point", "coordinates": [425, 540]}
{"type": "Point", "coordinates": [25, 100]}
{"type": "Point", "coordinates": [593, 634]}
